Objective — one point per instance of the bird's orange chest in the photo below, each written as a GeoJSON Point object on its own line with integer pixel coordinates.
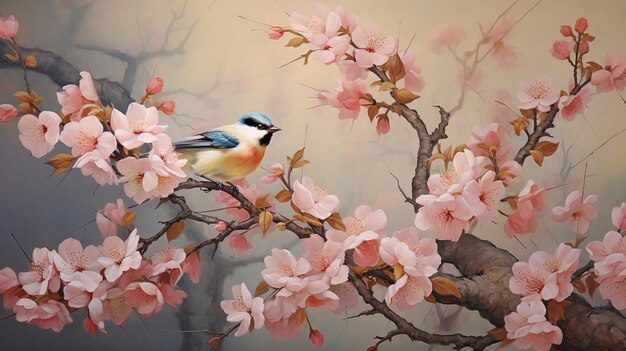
{"type": "Point", "coordinates": [252, 156]}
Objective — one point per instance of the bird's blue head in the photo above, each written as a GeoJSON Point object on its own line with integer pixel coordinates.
{"type": "Point", "coordinates": [261, 123]}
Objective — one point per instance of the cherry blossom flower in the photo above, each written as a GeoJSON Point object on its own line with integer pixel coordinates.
{"type": "Point", "coordinates": [509, 172]}
{"type": "Point", "coordinates": [144, 297]}
{"type": "Point", "coordinates": [563, 263]}
{"type": "Point", "coordinates": [249, 191]}
{"type": "Point", "coordinates": [275, 33]}
{"type": "Point", "coordinates": [418, 257]}
{"type": "Point", "coordinates": [172, 296]}
{"type": "Point", "coordinates": [448, 214]}
{"type": "Point", "coordinates": [77, 266]}
{"type": "Point", "coordinates": [100, 170]}
{"type": "Point", "coordinates": [539, 94]}
{"type": "Point", "coordinates": [74, 98]}
{"type": "Point", "coordinates": [362, 234]}
{"type": "Point", "coordinates": [413, 79]}
{"type": "Point", "coordinates": [466, 168]}
{"type": "Point", "coordinates": [527, 327]}
{"type": "Point", "coordinates": [112, 216]}
{"type": "Point", "coordinates": [609, 255]}
{"type": "Point", "coordinates": [618, 216]}
{"type": "Point", "coordinates": [580, 212]}
{"type": "Point", "coordinates": [119, 256]}
{"type": "Point", "coordinates": [39, 134]}
{"type": "Point", "coordinates": [116, 307]}
{"type": "Point", "coordinates": [446, 37]}
{"type": "Point", "coordinates": [373, 49]}
{"type": "Point", "coordinates": [348, 19]}
{"type": "Point", "coordinates": [139, 177]}
{"type": "Point", "coordinates": [87, 136]}
{"type": "Point", "coordinates": [572, 105]}
{"type": "Point", "coordinates": [326, 260]}
{"type": "Point", "coordinates": [517, 224]}
{"type": "Point", "coordinates": [566, 31]}
{"type": "Point", "coordinates": [165, 160]}
{"type": "Point", "coordinates": [316, 337]}
{"type": "Point", "coordinates": [483, 196]}
{"type": "Point", "coordinates": [313, 199]}
{"type": "Point", "coordinates": [8, 27]}
{"type": "Point", "coordinates": [382, 125]}
{"type": "Point", "coordinates": [42, 276]}
{"type": "Point", "coordinates": [168, 259]}
{"type": "Point", "coordinates": [137, 127]}
{"type": "Point", "coordinates": [244, 309]}
{"type": "Point", "coordinates": [613, 288]}
{"type": "Point", "coordinates": [7, 113]}
{"type": "Point", "coordinates": [48, 314]}
{"type": "Point", "coordinates": [351, 70]}
{"type": "Point", "coordinates": [348, 97]}
{"type": "Point", "coordinates": [533, 282]}
{"type": "Point", "coordinates": [613, 76]}
{"type": "Point", "coordinates": [191, 266]}
{"type": "Point", "coordinates": [333, 49]}
{"type": "Point", "coordinates": [561, 49]}
{"type": "Point", "coordinates": [530, 200]}
{"type": "Point", "coordinates": [239, 242]}
{"type": "Point", "coordinates": [348, 297]}
{"type": "Point", "coordinates": [490, 141]}
{"type": "Point", "coordinates": [316, 28]}
{"type": "Point", "coordinates": [408, 291]}
{"type": "Point", "coordinates": [283, 271]}
{"type": "Point", "coordinates": [167, 106]}
{"type": "Point", "coordinates": [154, 86]}
{"type": "Point", "coordinates": [285, 328]}
{"type": "Point", "coordinates": [9, 285]}
{"type": "Point", "coordinates": [273, 173]}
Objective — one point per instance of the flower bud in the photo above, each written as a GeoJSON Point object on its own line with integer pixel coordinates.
{"type": "Point", "coordinates": [581, 25]}
{"type": "Point", "coordinates": [275, 33]}
{"type": "Point", "coordinates": [7, 113]}
{"type": "Point", "coordinates": [316, 337]}
{"type": "Point", "coordinates": [566, 31]}
{"type": "Point", "coordinates": [167, 106]}
{"type": "Point", "coordinates": [155, 85]}
{"type": "Point", "coordinates": [8, 27]}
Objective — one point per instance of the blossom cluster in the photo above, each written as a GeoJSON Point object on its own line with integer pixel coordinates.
{"type": "Point", "coordinates": [111, 281]}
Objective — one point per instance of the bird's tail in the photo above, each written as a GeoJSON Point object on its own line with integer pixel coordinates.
{"type": "Point", "coordinates": [192, 142]}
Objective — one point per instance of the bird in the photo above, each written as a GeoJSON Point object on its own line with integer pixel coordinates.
{"type": "Point", "coordinates": [228, 152]}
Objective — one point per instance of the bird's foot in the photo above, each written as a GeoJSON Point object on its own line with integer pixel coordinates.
{"type": "Point", "coordinates": [219, 186]}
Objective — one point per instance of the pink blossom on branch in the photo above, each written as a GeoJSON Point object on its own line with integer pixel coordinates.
{"type": "Point", "coordinates": [349, 97]}
{"type": "Point", "coordinates": [372, 48]}
{"type": "Point", "coordinates": [191, 266]}
{"type": "Point", "coordinates": [165, 160]}
{"type": "Point", "coordinates": [609, 255]}
{"type": "Point", "coordinates": [273, 173]}
{"type": "Point", "coordinates": [8, 27]}
{"type": "Point", "coordinates": [100, 170]}
{"type": "Point", "coordinates": [533, 282]}
{"type": "Point", "coordinates": [144, 297]}
{"type": "Point", "coordinates": [119, 256]}
{"type": "Point", "coordinates": [43, 275]}
{"type": "Point", "coordinates": [563, 263]}
{"type": "Point", "coordinates": [445, 37]}
{"type": "Point", "coordinates": [539, 94]}
{"type": "Point", "coordinates": [139, 177]}
{"type": "Point", "coordinates": [78, 267]}
{"type": "Point", "coordinates": [112, 216]}
{"type": "Point", "coordinates": [326, 259]}
{"type": "Point", "coordinates": [137, 126]}
{"type": "Point", "coordinates": [313, 199]}
{"type": "Point", "coordinates": [418, 257]}
{"type": "Point", "coordinates": [244, 309]}
{"type": "Point", "coordinates": [7, 113]}
{"type": "Point", "coordinates": [74, 98]}
{"type": "Point", "coordinates": [45, 314]}
{"type": "Point", "coordinates": [618, 216]}
{"type": "Point", "coordinates": [317, 28]}
{"type": "Point", "coordinates": [528, 327]}
{"type": "Point", "coordinates": [167, 106]}
{"type": "Point", "coordinates": [154, 86]}
{"type": "Point", "coordinates": [580, 212]}
{"type": "Point", "coordinates": [413, 79]}
{"type": "Point", "coordinates": [448, 214]}
{"type": "Point", "coordinates": [283, 271]}
{"type": "Point", "coordinates": [87, 136]}
{"type": "Point", "coordinates": [408, 291]}
{"type": "Point", "coordinates": [275, 33]}
{"type": "Point", "coordinates": [39, 134]}
{"type": "Point", "coordinates": [613, 76]}
{"type": "Point", "coordinates": [561, 49]}
{"type": "Point", "coordinates": [466, 167]}
{"type": "Point", "coordinates": [572, 105]}
{"type": "Point", "coordinates": [483, 196]}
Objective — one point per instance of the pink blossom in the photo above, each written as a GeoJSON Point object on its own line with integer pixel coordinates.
{"type": "Point", "coordinates": [539, 94]}
{"type": "Point", "coordinates": [100, 170]}
{"type": "Point", "coordinates": [446, 37]}
{"type": "Point", "coordinates": [154, 86]}
{"type": "Point", "coordinates": [8, 113]}
{"type": "Point", "coordinates": [165, 185]}
{"type": "Point", "coordinates": [168, 259]}
{"type": "Point", "coordinates": [566, 31]}
{"type": "Point", "coordinates": [317, 28]}
{"type": "Point", "coordinates": [285, 328]}
{"type": "Point", "coordinates": [582, 48]}
{"type": "Point", "coordinates": [191, 266]}
{"type": "Point", "coordinates": [466, 168]}
{"type": "Point", "coordinates": [533, 282]}
{"type": "Point", "coordinates": [613, 288]}
{"type": "Point", "coordinates": [351, 70]}
{"type": "Point", "coordinates": [362, 234]}
{"type": "Point", "coordinates": [580, 212]}
{"type": "Point", "coordinates": [116, 307]}
{"type": "Point", "coordinates": [490, 141]}
{"type": "Point", "coordinates": [448, 214]}
{"type": "Point", "coordinates": [78, 267]}
{"type": "Point", "coordinates": [119, 256]}
{"type": "Point", "coordinates": [74, 98]}
{"type": "Point", "coordinates": [618, 216]}
{"type": "Point", "coordinates": [313, 199]}
{"type": "Point", "coordinates": [87, 136]}
{"type": "Point", "coordinates": [613, 76]}
{"type": "Point", "coordinates": [418, 257]}
{"type": "Point", "coordinates": [167, 106]}
{"type": "Point", "coordinates": [39, 134]}
{"type": "Point", "coordinates": [8, 280]}
{"type": "Point", "coordinates": [408, 291]}
{"type": "Point", "coordinates": [527, 327]}
{"type": "Point", "coordinates": [530, 200]}
{"type": "Point", "coordinates": [137, 127]}
{"type": "Point", "coordinates": [483, 196]}
{"type": "Point", "coordinates": [333, 50]}
{"type": "Point", "coordinates": [498, 30]}
{"type": "Point", "coordinates": [112, 216]}
{"type": "Point", "coordinates": [326, 260]}
{"type": "Point", "coordinates": [283, 271]}
{"type": "Point", "coordinates": [239, 242]}
{"type": "Point", "coordinates": [563, 263]}
{"type": "Point", "coordinates": [316, 337]}
{"type": "Point", "coordinates": [561, 49]}
{"type": "Point", "coordinates": [516, 224]}
{"type": "Point", "coordinates": [509, 172]}
{"type": "Point", "coordinates": [348, 19]}
{"type": "Point", "coordinates": [139, 177]}
{"type": "Point", "coordinates": [273, 173]}
{"type": "Point", "coordinates": [275, 33]}
{"type": "Point", "coordinates": [572, 105]}
{"type": "Point", "coordinates": [171, 296]}
{"type": "Point", "coordinates": [49, 314]}
{"type": "Point", "coordinates": [382, 125]}
{"type": "Point", "coordinates": [244, 309]}
{"type": "Point", "coordinates": [348, 297]}
{"type": "Point", "coordinates": [249, 191]}
{"type": "Point", "coordinates": [581, 25]}
{"type": "Point", "coordinates": [505, 55]}
{"type": "Point", "coordinates": [609, 255]}
{"type": "Point", "coordinates": [348, 97]}
{"type": "Point", "coordinates": [8, 27]}
{"type": "Point", "coordinates": [283, 307]}
{"type": "Point", "coordinates": [42, 276]}
{"type": "Point", "coordinates": [372, 48]}
{"type": "Point", "coordinates": [413, 79]}
{"type": "Point", "coordinates": [144, 297]}
{"type": "Point", "coordinates": [165, 160]}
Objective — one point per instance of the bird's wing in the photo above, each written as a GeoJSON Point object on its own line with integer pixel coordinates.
{"type": "Point", "coordinates": [215, 139]}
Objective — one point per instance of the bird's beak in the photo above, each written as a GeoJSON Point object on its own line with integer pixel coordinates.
{"type": "Point", "coordinates": [273, 129]}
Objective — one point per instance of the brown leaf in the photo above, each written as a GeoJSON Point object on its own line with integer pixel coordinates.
{"type": "Point", "coordinates": [537, 156]}
{"type": "Point", "coordinates": [265, 221]}
{"type": "Point", "coordinates": [398, 272]}
{"type": "Point", "coordinates": [60, 163]}
{"type": "Point", "coordinates": [31, 60]}
{"type": "Point", "coordinates": [445, 287]}
{"type": "Point", "coordinates": [395, 68]}
{"type": "Point", "coordinates": [497, 334]}
{"type": "Point", "coordinates": [283, 196]}
{"type": "Point", "coordinates": [556, 312]}
{"type": "Point", "coordinates": [300, 163]}
{"type": "Point", "coordinates": [435, 157]}
{"type": "Point", "coordinates": [262, 202]}
{"type": "Point", "coordinates": [261, 289]}
{"type": "Point", "coordinates": [11, 57]}
{"type": "Point", "coordinates": [591, 283]}
{"type": "Point", "coordinates": [372, 111]}
{"type": "Point", "coordinates": [307, 218]}
{"type": "Point", "coordinates": [336, 222]}
{"type": "Point", "coordinates": [386, 86]}
{"type": "Point", "coordinates": [128, 219]}
{"type": "Point", "coordinates": [215, 341]}
{"type": "Point", "coordinates": [588, 37]}
{"type": "Point", "coordinates": [430, 298]}
{"type": "Point", "coordinates": [403, 96]}
{"type": "Point", "coordinates": [297, 156]}
{"type": "Point", "coordinates": [594, 66]}
{"type": "Point", "coordinates": [175, 230]}
{"type": "Point", "coordinates": [23, 96]}
{"type": "Point", "coordinates": [580, 286]}
{"type": "Point", "coordinates": [300, 316]}
{"type": "Point", "coordinates": [460, 148]}
{"type": "Point", "coordinates": [547, 148]}
{"type": "Point", "coordinates": [295, 42]}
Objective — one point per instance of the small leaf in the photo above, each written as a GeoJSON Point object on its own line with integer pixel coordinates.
{"type": "Point", "coordinates": [215, 341]}
{"type": "Point", "coordinates": [591, 283]}
{"type": "Point", "coordinates": [398, 271]}
{"type": "Point", "coordinates": [300, 316]}
{"type": "Point", "coordinates": [537, 156]}
{"type": "Point", "coordinates": [307, 218]}
{"type": "Point", "coordinates": [300, 163]}
{"type": "Point", "coordinates": [395, 68]}
{"type": "Point", "coordinates": [175, 230]}
{"type": "Point", "coordinates": [386, 86]}
{"type": "Point", "coordinates": [31, 60]}
{"type": "Point", "coordinates": [372, 111]}
{"type": "Point", "coordinates": [265, 221]}
{"type": "Point", "coordinates": [60, 163]}
{"type": "Point", "coordinates": [297, 156]}
{"type": "Point", "coordinates": [588, 37]}
{"type": "Point", "coordinates": [22, 96]}
{"type": "Point", "coordinates": [403, 96]}
{"type": "Point", "coordinates": [11, 57]}
{"type": "Point", "coordinates": [128, 219]}
{"type": "Point", "coordinates": [295, 42]}
{"type": "Point", "coordinates": [283, 196]}
{"type": "Point", "coordinates": [430, 298]}
{"type": "Point", "coordinates": [580, 286]}
{"type": "Point", "coordinates": [445, 287]}
{"type": "Point", "coordinates": [497, 334]}
{"type": "Point", "coordinates": [262, 202]}
{"type": "Point", "coordinates": [556, 311]}
{"type": "Point", "coordinates": [336, 222]}
{"type": "Point", "coordinates": [262, 288]}
{"type": "Point", "coordinates": [547, 148]}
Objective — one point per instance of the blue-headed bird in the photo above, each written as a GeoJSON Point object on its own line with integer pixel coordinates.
{"type": "Point", "coordinates": [229, 152]}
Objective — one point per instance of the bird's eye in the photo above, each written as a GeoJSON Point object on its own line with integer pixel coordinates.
{"type": "Point", "coordinates": [260, 126]}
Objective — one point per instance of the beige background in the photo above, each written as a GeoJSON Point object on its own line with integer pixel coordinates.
{"type": "Point", "coordinates": [232, 58]}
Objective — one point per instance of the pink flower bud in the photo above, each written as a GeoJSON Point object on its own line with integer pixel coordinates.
{"type": "Point", "coordinates": [316, 337]}
{"type": "Point", "coordinates": [275, 33]}
{"type": "Point", "coordinates": [220, 226]}
{"type": "Point", "coordinates": [383, 126]}
{"type": "Point", "coordinates": [566, 31]}
{"type": "Point", "coordinates": [583, 48]}
{"type": "Point", "coordinates": [561, 49]}
{"type": "Point", "coordinates": [155, 85]}
{"type": "Point", "coordinates": [167, 106]}
{"type": "Point", "coordinates": [581, 25]}
{"type": "Point", "coordinates": [8, 27]}
{"type": "Point", "coordinates": [7, 113]}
